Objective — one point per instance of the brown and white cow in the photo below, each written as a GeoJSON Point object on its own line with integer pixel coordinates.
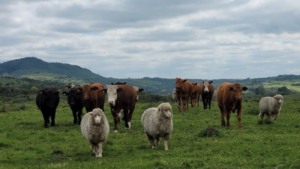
{"type": "Point", "coordinates": [137, 89]}
{"type": "Point", "coordinates": [122, 99]}
{"type": "Point", "coordinates": [195, 95]}
{"type": "Point", "coordinates": [94, 96]}
{"type": "Point", "coordinates": [229, 98]}
{"type": "Point", "coordinates": [207, 93]}
{"type": "Point", "coordinates": [184, 89]}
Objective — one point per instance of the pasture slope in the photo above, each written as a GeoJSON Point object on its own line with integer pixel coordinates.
{"type": "Point", "coordinates": [25, 143]}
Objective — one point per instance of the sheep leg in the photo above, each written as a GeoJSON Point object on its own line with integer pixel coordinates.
{"type": "Point", "coordinates": [166, 138]}
{"type": "Point", "coordinates": [151, 140]}
{"type": "Point", "coordinates": [97, 149]}
{"type": "Point", "coordinates": [156, 141]}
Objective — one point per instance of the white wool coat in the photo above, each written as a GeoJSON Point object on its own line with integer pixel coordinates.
{"type": "Point", "coordinates": [156, 123]}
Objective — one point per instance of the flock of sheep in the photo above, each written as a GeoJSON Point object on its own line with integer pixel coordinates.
{"type": "Point", "coordinates": [157, 123]}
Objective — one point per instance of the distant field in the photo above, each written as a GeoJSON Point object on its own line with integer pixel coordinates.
{"type": "Point", "coordinates": [24, 143]}
{"type": "Point", "coordinates": [292, 85]}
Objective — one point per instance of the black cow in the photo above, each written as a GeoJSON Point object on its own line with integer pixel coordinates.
{"type": "Point", "coordinates": [75, 101]}
{"type": "Point", "coordinates": [47, 101]}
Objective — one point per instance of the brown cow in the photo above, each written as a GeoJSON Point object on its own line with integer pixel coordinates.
{"type": "Point", "coordinates": [196, 93]}
{"type": "Point", "coordinates": [122, 99]}
{"type": "Point", "coordinates": [207, 93]}
{"type": "Point", "coordinates": [93, 96]}
{"type": "Point", "coordinates": [184, 89]}
{"type": "Point", "coordinates": [229, 98]}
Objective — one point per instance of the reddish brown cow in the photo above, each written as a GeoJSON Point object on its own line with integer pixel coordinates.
{"type": "Point", "coordinates": [93, 96]}
{"type": "Point", "coordinates": [229, 98]}
{"type": "Point", "coordinates": [196, 93]}
{"type": "Point", "coordinates": [207, 93]}
{"type": "Point", "coordinates": [122, 99]}
{"type": "Point", "coordinates": [184, 89]}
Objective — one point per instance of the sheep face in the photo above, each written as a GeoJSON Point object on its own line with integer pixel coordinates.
{"type": "Point", "coordinates": [96, 117]}
{"type": "Point", "coordinates": [279, 99]}
{"type": "Point", "coordinates": [166, 110]}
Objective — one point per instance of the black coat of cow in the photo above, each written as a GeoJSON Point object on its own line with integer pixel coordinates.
{"type": "Point", "coordinates": [75, 101]}
{"type": "Point", "coordinates": [47, 101]}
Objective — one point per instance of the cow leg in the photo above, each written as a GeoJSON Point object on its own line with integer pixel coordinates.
{"type": "Point", "coordinates": [223, 119]}
{"type": "Point", "coordinates": [116, 121]}
{"type": "Point", "coordinates": [53, 118]}
{"type": "Point", "coordinates": [46, 119]}
{"type": "Point", "coordinates": [209, 103]}
{"type": "Point", "coordinates": [74, 117]}
{"type": "Point", "coordinates": [228, 118]}
{"type": "Point", "coordinates": [126, 115]}
{"type": "Point", "coordinates": [79, 116]}
{"type": "Point", "coordinates": [239, 118]}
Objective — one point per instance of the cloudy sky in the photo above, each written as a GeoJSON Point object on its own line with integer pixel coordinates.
{"type": "Point", "coordinates": [203, 39]}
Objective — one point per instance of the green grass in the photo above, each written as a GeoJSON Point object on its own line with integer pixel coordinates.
{"type": "Point", "coordinates": [25, 143]}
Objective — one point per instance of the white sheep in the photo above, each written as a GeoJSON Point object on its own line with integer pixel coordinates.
{"type": "Point", "coordinates": [95, 128]}
{"type": "Point", "coordinates": [270, 106]}
{"type": "Point", "coordinates": [157, 122]}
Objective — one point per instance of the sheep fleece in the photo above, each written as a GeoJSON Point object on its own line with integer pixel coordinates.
{"type": "Point", "coordinates": [154, 125]}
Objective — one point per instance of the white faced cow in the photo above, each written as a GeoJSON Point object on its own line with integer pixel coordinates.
{"type": "Point", "coordinates": [121, 98]}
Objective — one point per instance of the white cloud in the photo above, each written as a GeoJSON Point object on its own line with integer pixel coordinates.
{"type": "Point", "coordinates": [152, 38]}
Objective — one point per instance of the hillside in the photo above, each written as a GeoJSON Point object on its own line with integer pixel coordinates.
{"type": "Point", "coordinates": [34, 68]}
{"type": "Point", "coordinates": [37, 69]}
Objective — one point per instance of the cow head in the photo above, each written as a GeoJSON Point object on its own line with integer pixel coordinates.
{"type": "Point", "coordinates": [205, 86]}
{"type": "Point", "coordinates": [236, 90]}
{"type": "Point", "coordinates": [74, 94]}
{"type": "Point", "coordinates": [112, 94]}
{"type": "Point", "coordinates": [51, 96]}
{"type": "Point", "coordinates": [137, 90]}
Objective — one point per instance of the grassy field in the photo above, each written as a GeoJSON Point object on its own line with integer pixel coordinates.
{"type": "Point", "coordinates": [25, 143]}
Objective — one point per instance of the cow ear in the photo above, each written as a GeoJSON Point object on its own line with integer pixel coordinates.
{"type": "Point", "coordinates": [244, 88]}
{"type": "Point", "coordinates": [56, 93]}
{"type": "Point", "coordinates": [184, 80]}
{"type": "Point", "coordinates": [210, 82]}
{"type": "Point", "coordinates": [141, 89]}
{"type": "Point", "coordinates": [231, 88]}
{"type": "Point", "coordinates": [66, 93]}
{"type": "Point", "coordinates": [104, 90]}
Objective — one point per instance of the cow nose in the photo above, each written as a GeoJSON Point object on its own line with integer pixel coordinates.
{"type": "Point", "coordinates": [111, 102]}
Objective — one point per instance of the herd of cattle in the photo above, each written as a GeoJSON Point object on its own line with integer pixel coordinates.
{"type": "Point", "coordinates": [123, 97]}
{"type": "Point", "coordinates": [120, 96]}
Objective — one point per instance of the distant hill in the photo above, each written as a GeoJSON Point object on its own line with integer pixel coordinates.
{"type": "Point", "coordinates": [37, 69]}
{"type": "Point", "coordinates": [34, 68]}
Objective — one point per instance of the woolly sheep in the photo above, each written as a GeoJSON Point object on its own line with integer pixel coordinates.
{"type": "Point", "coordinates": [157, 122]}
{"type": "Point", "coordinates": [270, 106]}
{"type": "Point", "coordinates": [95, 128]}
